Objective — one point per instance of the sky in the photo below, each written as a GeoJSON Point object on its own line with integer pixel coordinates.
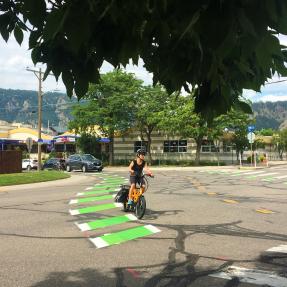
{"type": "Point", "coordinates": [14, 60]}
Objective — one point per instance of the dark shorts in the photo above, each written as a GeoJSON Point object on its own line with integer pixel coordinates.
{"type": "Point", "coordinates": [136, 180]}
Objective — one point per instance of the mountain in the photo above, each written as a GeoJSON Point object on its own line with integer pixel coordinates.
{"type": "Point", "coordinates": [270, 114]}
{"type": "Point", "coordinates": [22, 106]}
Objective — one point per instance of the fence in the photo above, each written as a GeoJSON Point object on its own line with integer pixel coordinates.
{"type": "Point", "coordinates": [10, 161]}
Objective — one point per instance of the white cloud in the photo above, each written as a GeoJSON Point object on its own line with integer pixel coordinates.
{"type": "Point", "coordinates": [273, 98]}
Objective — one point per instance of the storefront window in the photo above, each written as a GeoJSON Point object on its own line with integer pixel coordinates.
{"type": "Point", "coordinates": [175, 146]}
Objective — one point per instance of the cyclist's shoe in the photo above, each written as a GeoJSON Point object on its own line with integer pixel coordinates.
{"type": "Point", "coordinates": [130, 202]}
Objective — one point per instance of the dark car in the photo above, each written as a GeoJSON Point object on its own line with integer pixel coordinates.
{"type": "Point", "coordinates": [55, 163]}
{"type": "Point", "coordinates": [83, 162]}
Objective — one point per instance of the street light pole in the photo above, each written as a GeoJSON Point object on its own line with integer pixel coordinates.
{"type": "Point", "coordinates": [39, 74]}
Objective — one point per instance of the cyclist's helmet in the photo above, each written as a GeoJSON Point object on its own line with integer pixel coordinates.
{"type": "Point", "coordinates": [141, 151]}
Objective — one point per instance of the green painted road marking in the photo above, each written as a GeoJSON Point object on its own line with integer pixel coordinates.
{"type": "Point", "coordinates": [98, 191]}
{"type": "Point", "coordinates": [268, 179]}
{"type": "Point", "coordinates": [123, 236]}
{"type": "Point", "coordinates": [95, 208]}
{"type": "Point", "coordinates": [99, 185]}
{"type": "Point", "coordinates": [101, 223]}
{"type": "Point", "coordinates": [91, 199]}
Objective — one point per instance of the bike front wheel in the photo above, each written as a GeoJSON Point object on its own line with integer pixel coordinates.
{"type": "Point", "coordinates": [140, 207]}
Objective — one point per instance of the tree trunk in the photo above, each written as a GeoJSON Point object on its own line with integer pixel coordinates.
{"type": "Point", "coordinates": [198, 149]}
{"type": "Point", "coordinates": [148, 134]}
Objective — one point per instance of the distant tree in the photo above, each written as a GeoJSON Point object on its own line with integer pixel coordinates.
{"type": "Point", "coordinates": [179, 118]}
{"type": "Point", "coordinates": [266, 132]}
{"type": "Point", "coordinates": [111, 107]}
{"type": "Point", "coordinates": [89, 143]}
{"type": "Point", "coordinates": [150, 102]}
{"type": "Point", "coordinates": [279, 140]}
{"type": "Point", "coordinates": [236, 121]}
{"type": "Point", "coordinates": [217, 48]}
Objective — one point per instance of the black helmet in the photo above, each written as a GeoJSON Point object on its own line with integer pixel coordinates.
{"type": "Point", "coordinates": [141, 151]}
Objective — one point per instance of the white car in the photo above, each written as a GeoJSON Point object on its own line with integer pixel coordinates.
{"type": "Point", "coordinates": [29, 164]}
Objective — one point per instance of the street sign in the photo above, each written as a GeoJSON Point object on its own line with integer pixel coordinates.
{"type": "Point", "coordinates": [29, 143]}
{"type": "Point", "coordinates": [40, 141]}
{"type": "Point", "coordinates": [251, 137]}
{"type": "Point", "coordinates": [251, 128]}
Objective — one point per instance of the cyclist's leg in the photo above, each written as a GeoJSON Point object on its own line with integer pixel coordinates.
{"type": "Point", "coordinates": [142, 185]}
{"type": "Point", "coordinates": [131, 190]}
{"type": "Point", "coordinates": [133, 186]}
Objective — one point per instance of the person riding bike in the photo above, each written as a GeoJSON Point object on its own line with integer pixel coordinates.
{"type": "Point", "coordinates": [136, 168]}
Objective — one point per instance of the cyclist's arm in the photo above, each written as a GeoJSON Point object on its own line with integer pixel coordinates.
{"type": "Point", "coordinates": [130, 167]}
{"type": "Point", "coordinates": [147, 170]}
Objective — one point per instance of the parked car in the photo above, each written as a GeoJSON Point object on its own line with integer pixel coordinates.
{"type": "Point", "coordinates": [29, 164]}
{"type": "Point", "coordinates": [83, 162]}
{"type": "Point", "coordinates": [55, 163]}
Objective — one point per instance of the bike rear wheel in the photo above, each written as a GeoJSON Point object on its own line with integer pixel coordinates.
{"type": "Point", "coordinates": [140, 207]}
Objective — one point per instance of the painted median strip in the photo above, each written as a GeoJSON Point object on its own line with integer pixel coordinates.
{"type": "Point", "coordinates": [101, 223]}
{"type": "Point", "coordinates": [96, 208]}
{"type": "Point", "coordinates": [99, 191]}
{"type": "Point", "coordinates": [123, 236]}
{"type": "Point", "coordinates": [91, 199]}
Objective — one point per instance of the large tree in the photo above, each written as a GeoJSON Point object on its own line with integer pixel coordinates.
{"type": "Point", "coordinates": [179, 118]}
{"type": "Point", "coordinates": [111, 106]}
{"type": "Point", "coordinates": [236, 122]}
{"type": "Point", "coordinates": [151, 101]}
{"type": "Point", "coordinates": [215, 47]}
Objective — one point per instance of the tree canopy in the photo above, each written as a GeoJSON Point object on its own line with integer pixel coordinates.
{"type": "Point", "coordinates": [217, 48]}
{"type": "Point", "coordinates": [110, 107]}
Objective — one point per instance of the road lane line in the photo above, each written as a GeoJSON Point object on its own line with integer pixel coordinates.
{"type": "Point", "coordinates": [230, 201]}
{"type": "Point", "coordinates": [257, 277]}
{"type": "Point", "coordinates": [279, 249]}
{"type": "Point", "coordinates": [282, 176]}
{"type": "Point", "coordinates": [124, 236]}
{"type": "Point", "coordinates": [265, 174]}
{"type": "Point", "coordinates": [265, 211]}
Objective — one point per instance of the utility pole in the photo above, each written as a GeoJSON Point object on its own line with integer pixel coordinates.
{"type": "Point", "coordinates": [39, 74]}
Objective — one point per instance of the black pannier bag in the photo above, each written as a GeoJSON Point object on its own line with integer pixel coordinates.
{"type": "Point", "coordinates": [122, 194]}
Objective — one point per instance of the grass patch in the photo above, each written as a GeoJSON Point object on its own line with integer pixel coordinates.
{"type": "Point", "coordinates": [31, 177]}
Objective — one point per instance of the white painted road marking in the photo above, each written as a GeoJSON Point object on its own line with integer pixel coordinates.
{"type": "Point", "coordinates": [279, 249]}
{"type": "Point", "coordinates": [265, 174]}
{"type": "Point", "coordinates": [253, 276]}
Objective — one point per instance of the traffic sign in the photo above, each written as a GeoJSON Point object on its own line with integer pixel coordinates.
{"type": "Point", "coordinates": [40, 141]}
{"type": "Point", "coordinates": [251, 137]}
{"type": "Point", "coordinates": [29, 143]}
{"type": "Point", "coordinates": [251, 128]}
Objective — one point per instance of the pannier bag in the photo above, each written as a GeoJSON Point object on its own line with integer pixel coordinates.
{"type": "Point", "coordinates": [122, 194]}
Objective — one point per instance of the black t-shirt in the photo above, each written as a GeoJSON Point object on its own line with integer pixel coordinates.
{"type": "Point", "coordinates": [138, 169]}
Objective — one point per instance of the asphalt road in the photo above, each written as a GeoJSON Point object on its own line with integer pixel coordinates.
{"type": "Point", "coordinates": [210, 220]}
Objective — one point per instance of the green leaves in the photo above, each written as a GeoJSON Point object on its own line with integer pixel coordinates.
{"type": "Point", "coordinates": [217, 47]}
{"type": "Point", "coordinates": [35, 11]}
{"type": "Point", "coordinates": [18, 33]}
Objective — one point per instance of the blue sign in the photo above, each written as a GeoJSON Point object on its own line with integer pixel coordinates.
{"type": "Point", "coordinates": [251, 128]}
{"type": "Point", "coordinates": [40, 141]}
